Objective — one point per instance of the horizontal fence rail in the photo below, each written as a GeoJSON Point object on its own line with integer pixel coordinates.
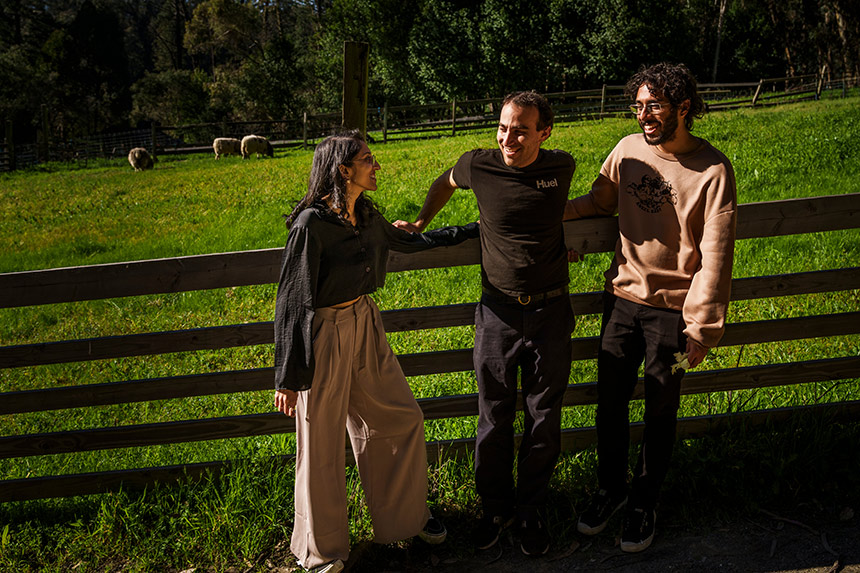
{"type": "Point", "coordinates": [573, 439]}
{"type": "Point", "coordinates": [251, 334]}
{"type": "Point", "coordinates": [181, 274]}
{"type": "Point", "coordinates": [439, 362]}
{"type": "Point", "coordinates": [199, 272]}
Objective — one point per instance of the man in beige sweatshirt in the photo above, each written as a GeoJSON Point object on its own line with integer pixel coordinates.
{"type": "Point", "coordinates": [667, 289]}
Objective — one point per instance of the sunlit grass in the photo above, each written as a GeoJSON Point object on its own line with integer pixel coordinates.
{"type": "Point", "coordinates": [196, 205]}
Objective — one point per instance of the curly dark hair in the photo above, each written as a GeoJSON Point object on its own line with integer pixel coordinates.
{"type": "Point", "coordinates": [326, 180]}
{"type": "Point", "coordinates": [532, 99]}
{"type": "Point", "coordinates": [673, 82]}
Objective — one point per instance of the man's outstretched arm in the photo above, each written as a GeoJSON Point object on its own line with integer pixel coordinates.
{"type": "Point", "coordinates": [439, 194]}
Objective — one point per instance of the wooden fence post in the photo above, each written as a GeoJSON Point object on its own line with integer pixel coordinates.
{"type": "Point", "coordinates": [757, 92]}
{"type": "Point", "coordinates": [10, 144]}
{"type": "Point", "coordinates": [43, 141]}
{"type": "Point", "coordinates": [602, 100]}
{"type": "Point", "coordinates": [454, 117]}
{"type": "Point", "coordinates": [355, 68]}
{"type": "Point", "coordinates": [223, 127]}
{"type": "Point", "coordinates": [820, 85]}
{"type": "Point", "coordinates": [305, 130]}
{"type": "Point", "coordinates": [153, 139]}
{"type": "Point", "coordinates": [385, 122]}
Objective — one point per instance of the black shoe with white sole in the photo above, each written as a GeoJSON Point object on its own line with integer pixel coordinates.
{"type": "Point", "coordinates": [601, 508]}
{"type": "Point", "coordinates": [638, 531]}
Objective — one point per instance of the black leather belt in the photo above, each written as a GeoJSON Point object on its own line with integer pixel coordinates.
{"type": "Point", "coordinates": [527, 299]}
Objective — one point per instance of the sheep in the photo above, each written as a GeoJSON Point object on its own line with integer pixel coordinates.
{"type": "Point", "coordinates": [140, 159]}
{"type": "Point", "coordinates": [226, 146]}
{"type": "Point", "coordinates": [256, 144]}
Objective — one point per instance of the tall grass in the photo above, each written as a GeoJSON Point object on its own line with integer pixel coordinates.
{"type": "Point", "coordinates": [195, 205]}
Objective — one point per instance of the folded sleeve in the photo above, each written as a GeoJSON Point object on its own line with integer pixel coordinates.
{"type": "Point", "coordinates": [294, 311]}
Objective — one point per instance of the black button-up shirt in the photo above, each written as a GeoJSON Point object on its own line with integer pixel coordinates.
{"type": "Point", "coordinates": [326, 262]}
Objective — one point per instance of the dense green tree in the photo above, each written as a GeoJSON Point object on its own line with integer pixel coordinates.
{"type": "Point", "coordinates": [444, 53]}
{"type": "Point", "coordinates": [223, 32]}
{"type": "Point", "coordinates": [206, 60]}
{"type": "Point", "coordinates": [171, 97]}
{"type": "Point", "coordinates": [270, 84]}
{"type": "Point", "coordinates": [89, 70]}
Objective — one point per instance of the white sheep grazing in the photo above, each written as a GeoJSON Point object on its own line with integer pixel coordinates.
{"type": "Point", "coordinates": [226, 146]}
{"type": "Point", "coordinates": [140, 159]}
{"type": "Point", "coordinates": [256, 144]}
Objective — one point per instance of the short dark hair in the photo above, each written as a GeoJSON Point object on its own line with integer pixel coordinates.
{"type": "Point", "coordinates": [671, 81]}
{"type": "Point", "coordinates": [532, 99]}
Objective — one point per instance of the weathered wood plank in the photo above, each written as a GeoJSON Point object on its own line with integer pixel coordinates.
{"type": "Point", "coordinates": [796, 283]}
{"type": "Point", "coordinates": [768, 375]}
{"type": "Point", "coordinates": [585, 393]}
{"type": "Point", "coordinates": [573, 439]}
{"type": "Point", "coordinates": [433, 408]}
{"type": "Point", "coordinates": [418, 364]}
{"type": "Point", "coordinates": [102, 482]}
{"type": "Point", "coordinates": [124, 392]}
{"type": "Point", "coordinates": [795, 216]}
{"type": "Point", "coordinates": [791, 328]}
{"type": "Point", "coordinates": [179, 274]}
{"type": "Point", "coordinates": [146, 344]}
{"type": "Point", "coordinates": [393, 320]}
{"type": "Point", "coordinates": [260, 379]}
{"type": "Point", "coordinates": [145, 435]}
{"type": "Point", "coordinates": [262, 266]}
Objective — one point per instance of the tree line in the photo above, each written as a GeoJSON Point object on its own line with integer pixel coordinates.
{"type": "Point", "coordinates": [77, 67]}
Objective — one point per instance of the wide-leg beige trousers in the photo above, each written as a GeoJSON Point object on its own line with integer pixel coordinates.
{"type": "Point", "coordinates": [358, 383]}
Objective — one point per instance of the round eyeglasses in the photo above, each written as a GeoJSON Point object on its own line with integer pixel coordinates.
{"type": "Point", "coordinates": [368, 159]}
{"type": "Point", "coordinates": [652, 108]}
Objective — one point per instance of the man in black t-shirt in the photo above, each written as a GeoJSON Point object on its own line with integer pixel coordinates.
{"type": "Point", "coordinates": [524, 320]}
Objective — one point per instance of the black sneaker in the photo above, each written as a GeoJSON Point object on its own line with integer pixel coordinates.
{"type": "Point", "coordinates": [534, 538]}
{"type": "Point", "coordinates": [434, 531]}
{"type": "Point", "coordinates": [638, 531]}
{"type": "Point", "coordinates": [489, 528]}
{"type": "Point", "coordinates": [601, 507]}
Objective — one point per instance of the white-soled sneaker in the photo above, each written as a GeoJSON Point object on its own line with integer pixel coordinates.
{"type": "Point", "coordinates": [638, 531]}
{"type": "Point", "coordinates": [332, 567]}
{"type": "Point", "coordinates": [434, 532]}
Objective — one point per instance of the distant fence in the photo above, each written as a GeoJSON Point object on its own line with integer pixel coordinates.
{"type": "Point", "coordinates": [182, 274]}
{"type": "Point", "coordinates": [391, 123]}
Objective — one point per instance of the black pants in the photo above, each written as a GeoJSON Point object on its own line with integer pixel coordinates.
{"type": "Point", "coordinates": [629, 334]}
{"type": "Point", "coordinates": [533, 340]}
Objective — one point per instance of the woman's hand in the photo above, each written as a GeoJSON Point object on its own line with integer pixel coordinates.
{"type": "Point", "coordinates": [285, 401]}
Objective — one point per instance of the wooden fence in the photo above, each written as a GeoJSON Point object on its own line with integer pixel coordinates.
{"type": "Point", "coordinates": [184, 274]}
{"type": "Point", "coordinates": [390, 123]}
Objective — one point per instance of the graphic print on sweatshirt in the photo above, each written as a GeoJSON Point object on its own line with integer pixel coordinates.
{"type": "Point", "coordinates": [652, 193]}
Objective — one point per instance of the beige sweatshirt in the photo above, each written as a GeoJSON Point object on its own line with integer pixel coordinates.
{"type": "Point", "coordinates": [676, 220]}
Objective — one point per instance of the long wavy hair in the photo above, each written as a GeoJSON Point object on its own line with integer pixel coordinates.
{"type": "Point", "coordinates": [672, 81]}
{"type": "Point", "coordinates": [327, 186]}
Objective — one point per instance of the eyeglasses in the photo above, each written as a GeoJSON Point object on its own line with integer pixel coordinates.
{"type": "Point", "coordinates": [653, 107]}
{"type": "Point", "coordinates": [368, 159]}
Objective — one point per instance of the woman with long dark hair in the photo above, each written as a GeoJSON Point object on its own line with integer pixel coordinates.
{"type": "Point", "coordinates": [334, 367]}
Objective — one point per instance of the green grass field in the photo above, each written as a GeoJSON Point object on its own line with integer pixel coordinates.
{"type": "Point", "coordinates": [66, 216]}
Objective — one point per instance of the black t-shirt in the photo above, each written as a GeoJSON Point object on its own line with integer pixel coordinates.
{"type": "Point", "coordinates": [522, 236]}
